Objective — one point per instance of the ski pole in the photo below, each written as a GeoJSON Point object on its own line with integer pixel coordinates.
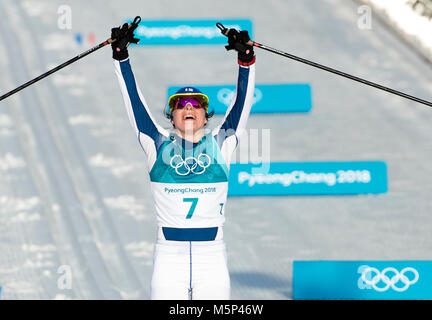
{"type": "Point", "coordinates": [61, 66]}
{"type": "Point", "coordinates": [323, 67]}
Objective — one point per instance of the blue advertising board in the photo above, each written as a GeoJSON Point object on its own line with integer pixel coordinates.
{"type": "Point", "coordinates": [356, 280]}
{"type": "Point", "coordinates": [268, 98]}
{"type": "Point", "coordinates": [187, 31]}
{"type": "Point", "coordinates": [307, 178]}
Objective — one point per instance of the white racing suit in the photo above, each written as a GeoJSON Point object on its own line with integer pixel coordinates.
{"type": "Point", "coordinates": [189, 184]}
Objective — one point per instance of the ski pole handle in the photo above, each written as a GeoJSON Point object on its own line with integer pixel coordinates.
{"type": "Point", "coordinates": [225, 31]}
{"type": "Point", "coordinates": [136, 21]}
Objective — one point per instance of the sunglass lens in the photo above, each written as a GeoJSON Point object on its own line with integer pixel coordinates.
{"type": "Point", "coordinates": [182, 102]}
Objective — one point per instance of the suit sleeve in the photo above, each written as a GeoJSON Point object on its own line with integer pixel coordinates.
{"type": "Point", "coordinates": [234, 123]}
{"type": "Point", "coordinates": [150, 135]}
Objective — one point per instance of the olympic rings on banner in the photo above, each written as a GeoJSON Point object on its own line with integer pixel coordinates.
{"type": "Point", "coordinates": [375, 277]}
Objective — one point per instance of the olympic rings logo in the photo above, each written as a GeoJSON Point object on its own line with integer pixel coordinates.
{"type": "Point", "coordinates": [196, 165]}
{"type": "Point", "coordinates": [390, 277]}
{"type": "Point", "coordinates": [226, 95]}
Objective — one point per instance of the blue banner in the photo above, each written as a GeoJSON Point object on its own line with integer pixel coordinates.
{"type": "Point", "coordinates": [307, 178]}
{"type": "Point", "coordinates": [355, 280]}
{"type": "Point", "coordinates": [187, 32]}
{"type": "Point", "coordinates": [268, 98]}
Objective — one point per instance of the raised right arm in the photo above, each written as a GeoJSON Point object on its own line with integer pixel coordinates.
{"type": "Point", "coordinates": [150, 135]}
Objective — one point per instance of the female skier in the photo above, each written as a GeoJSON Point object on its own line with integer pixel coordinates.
{"type": "Point", "coordinates": [188, 170]}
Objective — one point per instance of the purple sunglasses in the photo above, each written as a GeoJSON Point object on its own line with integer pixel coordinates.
{"type": "Point", "coordinates": [183, 101]}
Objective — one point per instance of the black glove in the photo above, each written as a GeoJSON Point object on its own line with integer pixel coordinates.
{"type": "Point", "coordinates": [238, 41]}
{"type": "Point", "coordinates": [124, 36]}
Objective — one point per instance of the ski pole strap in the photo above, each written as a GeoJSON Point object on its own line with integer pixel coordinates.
{"type": "Point", "coordinates": [136, 21]}
{"type": "Point", "coordinates": [221, 27]}
{"type": "Point", "coordinates": [225, 31]}
{"type": "Point", "coordinates": [133, 25]}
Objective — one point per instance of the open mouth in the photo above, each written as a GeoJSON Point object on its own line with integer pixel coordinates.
{"type": "Point", "coordinates": [189, 117]}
